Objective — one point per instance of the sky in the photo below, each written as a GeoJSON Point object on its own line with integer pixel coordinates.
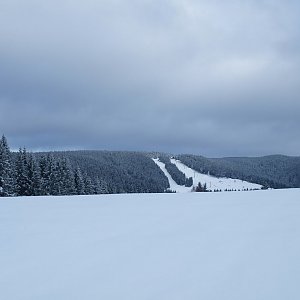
{"type": "Point", "coordinates": [215, 78]}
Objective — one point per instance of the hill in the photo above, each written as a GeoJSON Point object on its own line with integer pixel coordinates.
{"type": "Point", "coordinates": [275, 171]}
{"type": "Point", "coordinates": [98, 172]}
{"type": "Point", "coordinates": [122, 171]}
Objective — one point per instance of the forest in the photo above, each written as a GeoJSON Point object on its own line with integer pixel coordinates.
{"type": "Point", "coordinates": [273, 171]}
{"type": "Point", "coordinates": [23, 173]}
{"type": "Point", "coordinates": [77, 173]}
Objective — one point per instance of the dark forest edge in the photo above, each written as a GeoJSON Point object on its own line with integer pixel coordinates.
{"type": "Point", "coordinates": [110, 172]}
{"type": "Point", "coordinates": [77, 173]}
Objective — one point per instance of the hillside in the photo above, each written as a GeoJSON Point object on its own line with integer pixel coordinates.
{"type": "Point", "coordinates": [122, 171]}
{"type": "Point", "coordinates": [212, 184]}
{"type": "Point", "coordinates": [134, 172]}
{"type": "Point", "coordinates": [111, 172]}
{"type": "Point", "coordinates": [276, 171]}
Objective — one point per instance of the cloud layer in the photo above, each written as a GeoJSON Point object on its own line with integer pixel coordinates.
{"type": "Point", "coordinates": [208, 77]}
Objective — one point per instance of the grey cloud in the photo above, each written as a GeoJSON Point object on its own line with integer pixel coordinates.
{"type": "Point", "coordinates": [209, 77]}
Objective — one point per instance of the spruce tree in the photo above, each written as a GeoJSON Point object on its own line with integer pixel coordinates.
{"type": "Point", "coordinates": [6, 169]}
{"type": "Point", "coordinates": [44, 176]}
{"type": "Point", "coordinates": [88, 185]}
{"type": "Point", "coordinates": [96, 186]}
{"type": "Point", "coordinates": [67, 178]}
{"type": "Point", "coordinates": [22, 183]}
{"type": "Point", "coordinates": [103, 187]}
{"type": "Point", "coordinates": [78, 182]}
{"type": "Point", "coordinates": [33, 177]}
{"type": "Point", "coordinates": [56, 178]}
{"type": "Point", "coordinates": [53, 185]}
{"type": "Point", "coordinates": [189, 182]}
{"type": "Point", "coordinates": [199, 187]}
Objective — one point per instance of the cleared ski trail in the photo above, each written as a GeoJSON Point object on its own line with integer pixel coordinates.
{"type": "Point", "coordinates": [215, 182]}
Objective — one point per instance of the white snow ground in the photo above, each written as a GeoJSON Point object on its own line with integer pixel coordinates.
{"type": "Point", "coordinates": [214, 182]}
{"type": "Point", "coordinates": [243, 245]}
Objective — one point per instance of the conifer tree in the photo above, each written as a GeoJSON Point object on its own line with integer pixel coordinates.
{"type": "Point", "coordinates": [22, 184]}
{"type": "Point", "coordinates": [199, 187]}
{"type": "Point", "coordinates": [66, 178]}
{"type": "Point", "coordinates": [33, 177]}
{"type": "Point", "coordinates": [56, 178]}
{"type": "Point", "coordinates": [78, 182]}
{"type": "Point", "coordinates": [96, 186]}
{"type": "Point", "coordinates": [53, 185]}
{"type": "Point", "coordinates": [88, 185]}
{"type": "Point", "coordinates": [44, 176]}
{"type": "Point", "coordinates": [6, 169]}
{"type": "Point", "coordinates": [103, 187]}
{"type": "Point", "coordinates": [189, 182]}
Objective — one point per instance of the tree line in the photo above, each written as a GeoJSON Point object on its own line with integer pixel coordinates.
{"type": "Point", "coordinates": [77, 172]}
{"type": "Point", "coordinates": [274, 171]}
{"type": "Point", "coordinates": [22, 174]}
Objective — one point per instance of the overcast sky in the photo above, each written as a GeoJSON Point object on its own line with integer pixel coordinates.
{"type": "Point", "coordinates": [217, 78]}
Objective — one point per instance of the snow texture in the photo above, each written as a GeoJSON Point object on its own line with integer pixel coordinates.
{"type": "Point", "coordinates": [243, 245]}
{"type": "Point", "coordinates": [214, 182]}
{"type": "Point", "coordinates": [173, 185]}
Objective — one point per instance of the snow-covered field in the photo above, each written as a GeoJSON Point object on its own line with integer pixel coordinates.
{"type": "Point", "coordinates": [243, 245]}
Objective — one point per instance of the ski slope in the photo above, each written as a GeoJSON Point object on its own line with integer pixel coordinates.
{"type": "Point", "coordinates": [173, 185]}
{"type": "Point", "coordinates": [191, 246]}
{"type": "Point", "coordinates": [214, 183]}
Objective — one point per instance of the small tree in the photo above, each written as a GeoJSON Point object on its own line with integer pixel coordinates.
{"type": "Point", "coordinates": [199, 187]}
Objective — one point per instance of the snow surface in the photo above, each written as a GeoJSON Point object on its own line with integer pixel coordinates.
{"type": "Point", "coordinates": [214, 182]}
{"type": "Point", "coordinates": [243, 245]}
{"type": "Point", "coordinates": [173, 185]}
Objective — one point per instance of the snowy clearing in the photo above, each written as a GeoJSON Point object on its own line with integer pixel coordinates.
{"type": "Point", "coordinates": [214, 182]}
{"type": "Point", "coordinates": [243, 245]}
